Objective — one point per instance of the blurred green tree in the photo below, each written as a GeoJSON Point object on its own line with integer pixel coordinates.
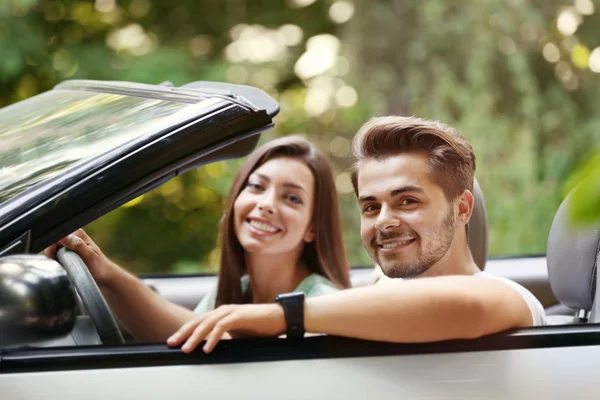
{"type": "Point", "coordinates": [519, 78]}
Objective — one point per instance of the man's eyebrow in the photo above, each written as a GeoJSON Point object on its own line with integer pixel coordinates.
{"type": "Point", "coordinates": [410, 188]}
{"type": "Point", "coordinates": [286, 184]}
{"type": "Point", "coordinates": [395, 192]}
{"type": "Point", "coordinates": [362, 199]}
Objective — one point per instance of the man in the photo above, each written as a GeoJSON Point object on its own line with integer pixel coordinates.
{"type": "Point", "coordinates": [413, 179]}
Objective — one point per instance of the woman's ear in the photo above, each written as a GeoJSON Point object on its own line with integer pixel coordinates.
{"type": "Point", "coordinates": [309, 236]}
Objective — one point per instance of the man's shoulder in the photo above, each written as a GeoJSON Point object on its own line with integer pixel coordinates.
{"type": "Point", "coordinates": [538, 315]}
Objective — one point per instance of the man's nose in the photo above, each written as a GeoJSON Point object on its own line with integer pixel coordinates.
{"type": "Point", "coordinates": [387, 219]}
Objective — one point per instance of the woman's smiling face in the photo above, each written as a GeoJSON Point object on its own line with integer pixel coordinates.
{"type": "Point", "coordinates": [273, 212]}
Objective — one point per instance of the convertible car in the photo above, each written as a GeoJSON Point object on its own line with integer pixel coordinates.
{"type": "Point", "coordinates": [74, 153]}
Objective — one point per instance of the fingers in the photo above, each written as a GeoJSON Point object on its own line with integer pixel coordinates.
{"type": "Point", "coordinates": [185, 331]}
{"type": "Point", "coordinates": [77, 241]}
{"type": "Point", "coordinates": [50, 251]}
{"type": "Point", "coordinates": [204, 328]}
{"type": "Point", "coordinates": [195, 338]}
{"type": "Point", "coordinates": [80, 246]}
{"type": "Point", "coordinates": [211, 326]}
{"type": "Point", "coordinates": [218, 332]}
{"type": "Point", "coordinates": [87, 240]}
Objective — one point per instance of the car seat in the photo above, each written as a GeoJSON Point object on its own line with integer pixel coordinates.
{"type": "Point", "coordinates": [572, 259]}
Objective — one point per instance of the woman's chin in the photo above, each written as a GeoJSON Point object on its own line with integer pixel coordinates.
{"type": "Point", "coordinates": [252, 245]}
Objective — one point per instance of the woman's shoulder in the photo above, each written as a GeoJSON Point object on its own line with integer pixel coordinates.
{"type": "Point", "coordinates": [210, 299]}
{"type": "Point", "coordinates": [208, 302]}
{"type": "Point", "coordinates": [316, 285]}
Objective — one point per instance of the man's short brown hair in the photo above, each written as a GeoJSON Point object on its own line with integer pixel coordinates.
{"type": "Point", "coordinates": [451, 159]}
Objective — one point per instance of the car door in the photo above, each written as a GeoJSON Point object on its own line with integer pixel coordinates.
{"type": "Point", "coordinates": [537, 363]}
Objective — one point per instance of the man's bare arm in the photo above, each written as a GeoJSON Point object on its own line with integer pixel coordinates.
{"type": "Point", "coordinates": [420, 310]}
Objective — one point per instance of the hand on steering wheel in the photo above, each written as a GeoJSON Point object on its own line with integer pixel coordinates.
{"type": "Point", "coordinates": [86, 286]}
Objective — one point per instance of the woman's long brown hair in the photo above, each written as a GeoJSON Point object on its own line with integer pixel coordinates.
{"type": "Point", "coordinates": [325, 255]}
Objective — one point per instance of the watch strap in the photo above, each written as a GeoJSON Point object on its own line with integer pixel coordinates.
{"type": "Point", "coordinates": [293, 309]}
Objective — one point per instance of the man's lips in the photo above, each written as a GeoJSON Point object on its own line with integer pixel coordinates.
{"type": "Point", "coordinates": [395, 243]}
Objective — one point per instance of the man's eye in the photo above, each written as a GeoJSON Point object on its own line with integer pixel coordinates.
{"type": "Point", "coordinates": [369, 208]}
{"type": "Point", "coordinates": [408, 202]}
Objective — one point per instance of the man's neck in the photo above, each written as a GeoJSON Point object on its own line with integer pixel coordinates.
{"type": "Point", "coordinates": [273, 275]}
{"type": "Point", "coordinates": [458, 260]}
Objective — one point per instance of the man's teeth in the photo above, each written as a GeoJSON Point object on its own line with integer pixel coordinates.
{"type": "Point", "coordinates": [396, 244]}
{"type": "Point", "coordinates": [263, 226]}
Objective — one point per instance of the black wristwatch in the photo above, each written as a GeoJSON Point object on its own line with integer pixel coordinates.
{"type": "Point", "coordinates": [293, 309]}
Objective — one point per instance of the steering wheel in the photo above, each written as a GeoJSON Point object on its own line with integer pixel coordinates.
{"type": "Point", "coordinates": [93, 301]}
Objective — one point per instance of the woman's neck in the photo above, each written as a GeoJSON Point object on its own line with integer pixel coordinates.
{"type": "Point", "coordinates": [273, 275]}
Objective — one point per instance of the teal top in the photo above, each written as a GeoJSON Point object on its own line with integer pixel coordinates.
{"type": "Point", "coordinates": [312, 285]}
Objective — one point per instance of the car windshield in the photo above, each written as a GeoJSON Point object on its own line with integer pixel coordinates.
{"type": "Point", "coordinates": [48, 133]}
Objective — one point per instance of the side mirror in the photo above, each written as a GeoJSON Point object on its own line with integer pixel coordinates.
{"type": "Point", "coordinates": [37, 300]}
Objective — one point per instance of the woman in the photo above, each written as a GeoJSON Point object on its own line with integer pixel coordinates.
{"type": "Point", "coordinates": [281, 232]}
{"type": "Point", "coordinates": [281, 228]}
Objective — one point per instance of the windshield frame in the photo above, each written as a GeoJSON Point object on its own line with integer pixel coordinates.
{"type": "Point", "coordinates": [224, 123]}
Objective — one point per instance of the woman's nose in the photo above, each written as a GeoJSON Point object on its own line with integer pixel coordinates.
{"type": "Point", "coordinates": [267, 202]}
{"type": "Point", "coordinates": [266, 208]}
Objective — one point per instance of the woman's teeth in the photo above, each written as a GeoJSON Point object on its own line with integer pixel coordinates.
{"type": "Point", "coordinates": [263, 227]}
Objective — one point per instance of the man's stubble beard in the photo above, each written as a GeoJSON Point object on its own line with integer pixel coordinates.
{"type": "Point", "coordinates": [439, 241]}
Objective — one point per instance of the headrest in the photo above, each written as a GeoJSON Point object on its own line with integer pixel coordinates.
{"type": "Point", "coordinates": [572, 258]}
{"type": "Point", "coordinates": [478, 228]}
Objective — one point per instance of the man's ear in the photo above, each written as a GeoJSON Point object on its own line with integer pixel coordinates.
{"type": "Point", "coordinates": [309, 236]}
{"type": "Point", "coordinates": [465, 202]}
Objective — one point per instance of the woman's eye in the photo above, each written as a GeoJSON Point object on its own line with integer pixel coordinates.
{"type": "Point", "coordinates": [254, 186]}
{"type": "Point", "coordinates": [294, 199]}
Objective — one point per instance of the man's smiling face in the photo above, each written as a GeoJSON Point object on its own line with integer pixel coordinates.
{"type": "Point", "coordinates": [407, 224]}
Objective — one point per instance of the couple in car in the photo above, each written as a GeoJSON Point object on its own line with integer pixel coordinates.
{"type": "Point", "coordinates": [283, 264]}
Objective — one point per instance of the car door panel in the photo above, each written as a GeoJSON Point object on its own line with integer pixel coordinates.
{"type": "Point", "coordinates": [544, 363]}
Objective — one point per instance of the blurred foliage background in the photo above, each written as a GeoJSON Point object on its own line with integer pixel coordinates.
{"type": "Point", "coordinates": [520, 78]}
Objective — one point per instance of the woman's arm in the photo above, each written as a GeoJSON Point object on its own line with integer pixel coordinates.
{"type": "Point", "coordinates": [145, 314]}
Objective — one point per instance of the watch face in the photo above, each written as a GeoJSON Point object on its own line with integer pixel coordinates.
{"type": "Point", "coordinates": [293, 295]}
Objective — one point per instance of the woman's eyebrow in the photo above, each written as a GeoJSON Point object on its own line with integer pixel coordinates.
{"type": "Point", "coordinates": [286, 184]}
{"type": "Point", "coordinates": [294, 186]}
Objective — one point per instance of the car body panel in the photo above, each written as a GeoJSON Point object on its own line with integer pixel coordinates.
{"type": "Point", "coordinates": [522, 365]}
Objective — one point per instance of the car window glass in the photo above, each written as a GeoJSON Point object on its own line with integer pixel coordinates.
{"type": "Point", "coordinates": [47, 133]}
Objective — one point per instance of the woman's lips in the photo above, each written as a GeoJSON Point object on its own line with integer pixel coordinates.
{"type": "Point", "coordinates": [261, 227]}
